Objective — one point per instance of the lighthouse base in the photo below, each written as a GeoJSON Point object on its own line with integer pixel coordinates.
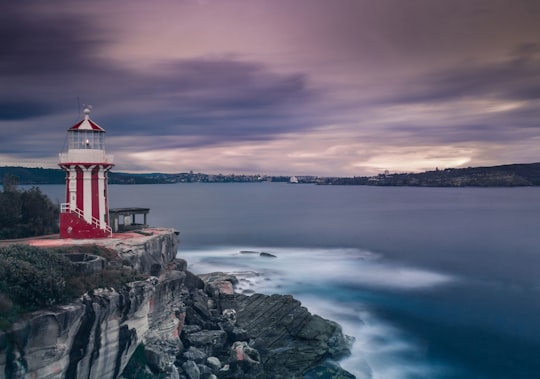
{"type": "Point", "coordinates": [72, 226]}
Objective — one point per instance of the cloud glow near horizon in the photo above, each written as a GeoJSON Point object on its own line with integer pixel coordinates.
{"type": "Point", "coordinates": [284, 87]}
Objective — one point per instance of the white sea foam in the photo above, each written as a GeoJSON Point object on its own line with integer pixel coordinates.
{"type": "Point", "coordinates": [327, 281]}
{"type": "Point", "coordinates": [344, 265]}
{"type": "Point", "coordinates": [384, 350]}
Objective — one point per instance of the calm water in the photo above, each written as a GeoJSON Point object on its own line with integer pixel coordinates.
{"type": "Point", "coordinates": [433, 283]}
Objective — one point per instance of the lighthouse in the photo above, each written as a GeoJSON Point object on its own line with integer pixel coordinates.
{"type": "Point", "coordinates": [85, 213]}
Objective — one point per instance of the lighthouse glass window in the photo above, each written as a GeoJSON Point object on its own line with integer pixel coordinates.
{"type": "Point", "coordinates": [86, 139]}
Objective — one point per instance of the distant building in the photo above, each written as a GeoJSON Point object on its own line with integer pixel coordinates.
{"type": "Point", "coordinates": [85, 214]}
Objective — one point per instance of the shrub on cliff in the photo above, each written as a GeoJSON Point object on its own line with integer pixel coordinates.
{"type": "Point", "coordinates": [26, 213]}
{"type": "Point", "coordinates": [33, 278]}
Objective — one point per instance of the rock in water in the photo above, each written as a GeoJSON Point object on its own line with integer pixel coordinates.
{"type": "Point", "coordinates": [328, 370]}
{"type": "Point", "coordinates": [289, 339]}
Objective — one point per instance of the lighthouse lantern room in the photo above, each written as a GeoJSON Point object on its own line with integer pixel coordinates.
{"type": "Point", "coordinates": [85, 214]}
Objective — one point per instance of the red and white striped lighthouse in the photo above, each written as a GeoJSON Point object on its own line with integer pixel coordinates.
{"type": "Point", "coordinates": [85, 214]}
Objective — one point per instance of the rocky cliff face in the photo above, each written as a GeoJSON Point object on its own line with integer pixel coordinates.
{"type": "Point", "coordinates": [257, 336]}
{"type": "Point", "coordinates": [187, 327]}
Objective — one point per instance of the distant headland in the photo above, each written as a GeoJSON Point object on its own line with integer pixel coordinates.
{"type": "Point", "coordinates": [511, 175]}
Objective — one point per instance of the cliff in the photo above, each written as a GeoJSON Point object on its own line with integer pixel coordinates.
{"type": "Point", "coordinates": [96, 335]}
{"type": "Point", "coordinates": [182, 326]}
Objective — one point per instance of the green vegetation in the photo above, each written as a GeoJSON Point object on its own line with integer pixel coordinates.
{"type": "Point", "coordinates": [25, 213]}
{"type": "Point", "coordinates": [32, 278]}
{"type": "Point", "coordinates": [516, 175]}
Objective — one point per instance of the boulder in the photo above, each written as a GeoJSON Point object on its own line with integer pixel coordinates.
{"type": "Point", "coordinates": [155, 359]}
{"type": "Point", "coordinates": [197, 312]}
{"type": "Point", "coordinates": [211, 342]}
{"type": "Point", "coordinates": [193, 281]}
{"type": "Point", "coordinates": [328, 370]}
{"type": "Point", "coordinates": [219, 283]}
{"type": "Point", "coordinates": [194, 354]}
{"type": "Point", "coordinates": [213, 363]}
{"type": "Point", "coordinates": [191, 370]}
{"type": "Point", "coordinates": [242, 352]}
{"type": "Point", "coordinates": [205, 371]}
{"type": "Point", "coordinates": [244, 361]}
{"type": "Point", "coordinates": [238, 334]}
{"type": "Point", "coordinates": [289, 339]}
{"type": "Point", "coordinates": [230, 315]}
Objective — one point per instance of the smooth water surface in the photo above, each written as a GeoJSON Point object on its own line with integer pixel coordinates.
{"type": "Point", "coordinates": [432, 282]}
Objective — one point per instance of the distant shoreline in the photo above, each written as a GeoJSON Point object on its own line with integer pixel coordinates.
{"type": "Point", "coordinates": [511, 175]}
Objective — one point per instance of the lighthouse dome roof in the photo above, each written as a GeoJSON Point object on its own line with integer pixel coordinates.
{"type": "Point", "coordinates": [86, 123]}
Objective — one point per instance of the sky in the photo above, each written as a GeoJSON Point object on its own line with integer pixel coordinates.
{"type": "Point", "coordinates": [274, 87]}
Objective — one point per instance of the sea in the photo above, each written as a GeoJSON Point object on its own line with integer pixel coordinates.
{"type": "Point", "coordinates": [431, 282]}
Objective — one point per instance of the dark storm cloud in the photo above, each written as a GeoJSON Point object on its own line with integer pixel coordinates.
{"type": "Point", "coordinates": [225, 84]}
{"type": "Point", "coordinates": [331, 79]}
{"type": "Point", "coordinates": [220, 75]}
{"type": "Point", "coordinates": [484, 130]}
{"type": "Point", "coordinates": [49, 59]}
{"type": "Point", "coordinates": [216, 100]}
{"type": "Point", "coordinates": [515, 78]}
{"type": "Point", "coordinates": [470, 93]}
{"type": "Point", "coordinates": [44, 55]}
{"type": "Point", "coordinates": [20, 110]}
{"type": "Point", "coordinates": [39, 43]}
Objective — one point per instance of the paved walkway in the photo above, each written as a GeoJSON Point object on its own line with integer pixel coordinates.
{"type": "Point", "coordinates": [54, 240]}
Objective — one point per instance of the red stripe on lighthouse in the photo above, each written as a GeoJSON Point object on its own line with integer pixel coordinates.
{"type": "Point", "coordinates": [80, 188]}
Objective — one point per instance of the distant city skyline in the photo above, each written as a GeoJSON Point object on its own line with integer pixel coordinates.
{"type": "Point", "coordinates": [296, 87]}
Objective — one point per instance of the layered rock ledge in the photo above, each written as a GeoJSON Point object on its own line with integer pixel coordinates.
{"type": "Point", "coordinates": [172, 325]}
